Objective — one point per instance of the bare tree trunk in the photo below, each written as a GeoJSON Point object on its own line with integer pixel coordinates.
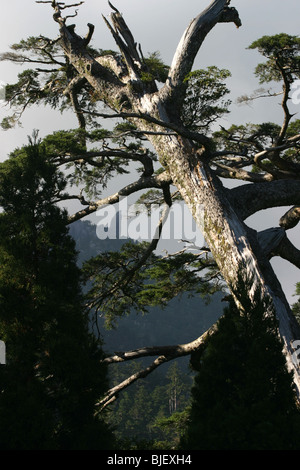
{"type": "Point", "coordinates": [244, 267]}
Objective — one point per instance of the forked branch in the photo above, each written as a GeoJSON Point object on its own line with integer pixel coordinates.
{"type": "Point", "coordinates": [154, 181]}
{"type": "Point", "coordinates": [164, 353]}
{"type": "Point", "coordinates": [125, 41]}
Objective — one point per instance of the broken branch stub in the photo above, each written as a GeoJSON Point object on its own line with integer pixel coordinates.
{"type": "Point", "coordinates": [291, 218]}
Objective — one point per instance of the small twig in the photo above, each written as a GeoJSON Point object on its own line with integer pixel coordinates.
{"type": "Point", "coordinates": [61, 5]}
{"type": "Point", "coordinates": [202, 139]}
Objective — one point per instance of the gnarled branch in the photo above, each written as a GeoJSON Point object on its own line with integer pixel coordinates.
{"type": "Point", "coordinates": [190, 43]}
{"type": "Point", "coordinates": [254, 197]}
{"type": "Point", "coordinates": [164, 353]}
{"type": "Point", "coordinates": [128, 48]}
{"type": "Point", "coordinates": [156, 181]}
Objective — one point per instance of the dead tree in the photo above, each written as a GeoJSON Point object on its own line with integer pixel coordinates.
{"type": "Point", "coordinates": [190, 159]}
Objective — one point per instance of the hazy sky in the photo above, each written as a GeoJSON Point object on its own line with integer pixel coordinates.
{"type": "Point", "coordinates": [158, 25]}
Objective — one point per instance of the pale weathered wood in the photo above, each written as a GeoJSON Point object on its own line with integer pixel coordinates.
{"type": "Point", "coordinates": [190, 43]}
{"type": "Point", "coordinates": [164, 353]}
{"type": "Point", "coordinates": [241, 261]}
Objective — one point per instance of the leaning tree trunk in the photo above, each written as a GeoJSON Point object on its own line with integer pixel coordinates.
{"type": "Point", "coordinates": [119, 85]}
{"type": "Point", "coordinates": [243, 264]}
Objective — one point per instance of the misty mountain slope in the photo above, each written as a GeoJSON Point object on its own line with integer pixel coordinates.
{"type": "Point", "coordinates": [180, 322]}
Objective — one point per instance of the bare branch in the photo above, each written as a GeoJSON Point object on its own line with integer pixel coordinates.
{"type": "Point", "coordinates": [257, 94]}
{"type": "Point", "coordinates": [129, 47]}
{"type": "Point", "coordinates": [284, 103]}
{"type": "Point", "coordinates": [226, 171]}
{"type": "Point", "coordinates": [157, 181]}
{"type": "Point", "coordinates": [89, 35]}
{"type": "Point", "coordinates": [190, 43]}
{"type": "Point", "coordinates": [254, 197]}
{"type": "Point", "coordinates": [113, 392]}
{"type": "Point", "coordinates": [164, 353]}
{"type": "Point", "coordinates": [291, 218]}
{"type": "Point", "coordinates": [61, 5]}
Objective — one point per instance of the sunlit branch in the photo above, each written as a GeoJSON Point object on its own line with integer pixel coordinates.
{"type": "Point", "coordinates": [258, 94]}
{"type": "Point", "coordinates": [226, 171]}
{"type": "Point", "coordinates": [291, 218]}
{"type": "Point", "coordinates": [189, 45]}
{"type": "Point", "coordinates": [157, 181]}
{"type": "Point", "coordinates": [290, 143]}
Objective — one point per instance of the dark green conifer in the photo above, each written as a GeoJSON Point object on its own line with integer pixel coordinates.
{"type": "Point", "coordinates": [53, 377]}
{"type": "Point", "coordinates": [243, 398]}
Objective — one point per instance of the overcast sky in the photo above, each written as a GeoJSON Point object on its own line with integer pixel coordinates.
{"type": "Point", "coordinates": [158, 25]}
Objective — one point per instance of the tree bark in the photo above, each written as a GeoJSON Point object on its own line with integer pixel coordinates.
{"type": "Point", "coordinates": [242, 263]}
{"type": "Point", "coordinates": [244, 267]}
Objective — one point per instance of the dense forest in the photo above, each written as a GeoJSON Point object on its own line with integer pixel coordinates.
{"type": "Point", "coordinates": [155, 413]}
{"type": "Point", "coordinates": [143, 412]}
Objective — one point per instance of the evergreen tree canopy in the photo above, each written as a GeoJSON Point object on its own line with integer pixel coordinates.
{"type": "Point", "coordinates": [166, 138]}
{"type": "Point", "coordinates": [243, 397]}
{"type": "Point", "coordinates": [53, 376]}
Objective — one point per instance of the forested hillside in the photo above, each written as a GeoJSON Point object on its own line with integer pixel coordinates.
{"type": "Point", "coordinates": [140, 408]}
{"type": "Point", "coordinates": [160, 326]}
{"type": "Point", "coordinates": [131, 344]}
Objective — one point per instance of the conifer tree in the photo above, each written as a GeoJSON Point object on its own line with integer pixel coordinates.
{"type": "Point", "coordinates": [243, 397]}
{"type": "Point", "coordinates": [159, 105]}
{"type": "Point", "coordinates": [53, 375]}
